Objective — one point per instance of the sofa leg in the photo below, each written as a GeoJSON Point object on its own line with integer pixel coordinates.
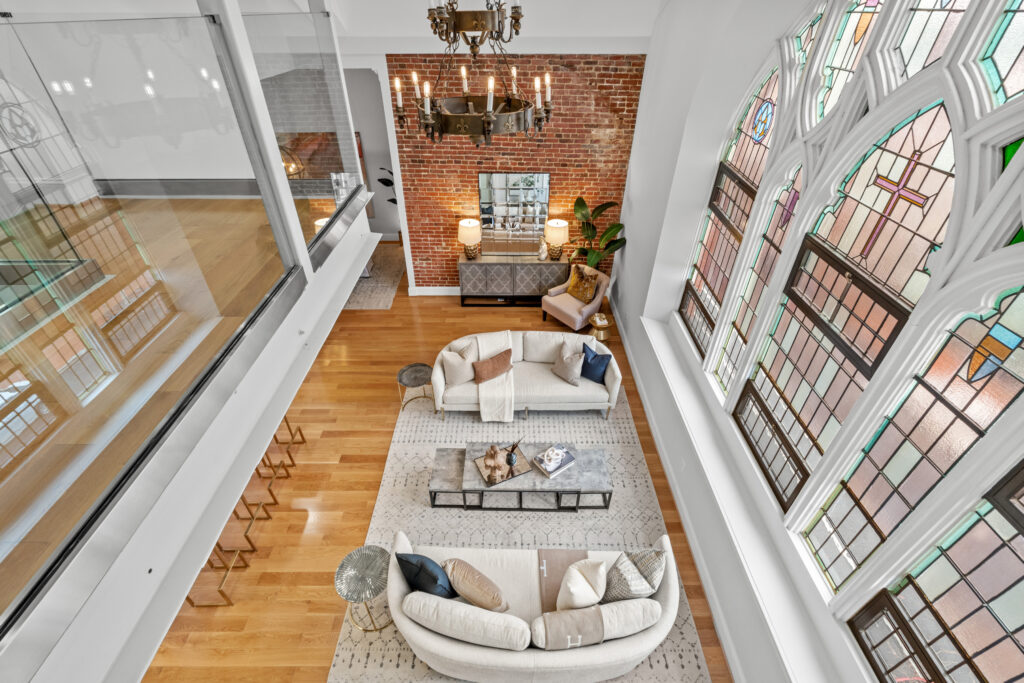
{"type": "Point", "coordinates": [607, 413]}
{"type": "Point", "coordinates": [527, 411]}
{"type": "Point", "coordinates": [443, 416]}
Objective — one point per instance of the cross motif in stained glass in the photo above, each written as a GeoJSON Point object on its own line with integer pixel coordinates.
{"type": "Point", "coordinates": [899, 191]}
{"type": "Point", "coordinates": [763, 121]}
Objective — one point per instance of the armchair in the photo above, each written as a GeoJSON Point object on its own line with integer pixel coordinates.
{"type": "Point", "coordinates": [568, 309]}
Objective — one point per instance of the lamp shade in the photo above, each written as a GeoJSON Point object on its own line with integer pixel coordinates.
{"type": "Point", "coordinates": [556, 232]}
{"type": "Point", "coordinates": [469, 231]}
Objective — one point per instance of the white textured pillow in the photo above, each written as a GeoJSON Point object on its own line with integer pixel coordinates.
{"type": "Point", "coordinates": [466, 622]}
{"type": "Point", "coordinates": [619, 619]}
{"type": "Point", "coordinates": [542, 347]}
{"type": "Point", "coordinates": [582, 585]}
{"type": "Point", "coordinates": [569, 366]}
{"type": "Point", "coordinates": [458, 369]}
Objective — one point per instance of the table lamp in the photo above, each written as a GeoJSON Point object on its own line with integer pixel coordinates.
{"type": "Point", "coordinates": [556, 233]}
{"type": "Point", "coordinates": [469, 236]}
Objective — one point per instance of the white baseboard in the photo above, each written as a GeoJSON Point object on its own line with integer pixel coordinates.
{"type": "Point", "coordinates": [434, 291]}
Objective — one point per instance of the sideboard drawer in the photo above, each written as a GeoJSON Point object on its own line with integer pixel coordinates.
{"type": "Point", "coordinates": [535, 279]}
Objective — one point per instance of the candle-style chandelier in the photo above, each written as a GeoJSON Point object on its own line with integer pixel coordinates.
{"type": "Point", "coordinates": [479, 117]}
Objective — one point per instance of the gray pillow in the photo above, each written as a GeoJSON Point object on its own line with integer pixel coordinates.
{"type": "Point", "coordinates": [568, 365]}
{"type": "Point", "coordinates": [635, 575]}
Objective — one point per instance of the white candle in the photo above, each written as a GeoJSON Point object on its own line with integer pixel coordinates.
{"type": "Point", "coordinates": [536, 84]}
{"type": "Point", "coordinates": [416, 84]}
{"type": "Point", "coordinates": [513, 81]}
{"type": "Point", "coordinates": [398, 91]}
{"type": "Point", "coordinates": [547, 85]}
{"type": "Point", "coordinates": [465, 82]}
{"type": "Point", "coordinates": [426, 98]}
{"type": "Point", "coordinates": [490, 93]}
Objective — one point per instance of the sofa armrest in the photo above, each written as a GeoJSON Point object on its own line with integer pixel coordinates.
{"type": "Point", "coordinates": [560, 289]}
{"type": "Point", "coordinates": [438, 383]}
{"type": "Point", "coordinates": [613, 381]}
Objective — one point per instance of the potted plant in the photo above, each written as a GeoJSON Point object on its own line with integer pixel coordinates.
{"type": "Point", "coordinates": [589, 246]}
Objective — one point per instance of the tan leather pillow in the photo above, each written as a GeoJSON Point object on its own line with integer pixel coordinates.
{"type": "Point", "coordinates": [493, 367]}
{"type": "Point", "coordinates": [476, 588]}
{"type": "Point", "coordinates": [582, 285]}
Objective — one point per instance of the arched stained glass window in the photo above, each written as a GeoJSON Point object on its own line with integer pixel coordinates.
{"type": "Point", "coordinates": [736, 185]}
{"type": "Point", "coordinates": [975, 376]}
{"type": "Point", "coordinates": [845, 52]}
{"type": "Point", "coordinates": [932, 25]}
{"type": "Point", "coordinates": [804, 41]}
{"type": "Point", "coordinates": [1002, 60]}
{"type": "Point", "coordinates": [858, 275]}
{"type": "Point", "coordinates": [958, 614]}
{"type": "Point", "coordinates": [768, 251]}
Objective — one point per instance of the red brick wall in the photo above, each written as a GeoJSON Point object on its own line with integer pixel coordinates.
{"type": "Point", "coordinates": [585, 148]}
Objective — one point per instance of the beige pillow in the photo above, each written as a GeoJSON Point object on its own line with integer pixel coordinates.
{"type": "Point", "coordinates": [569, 365]}
{"type": "Point", "coordinates": [582, 585]}
{"type": "Point", "coordinates": [457, 368]}
{"type": "Point", "coordinates": [476, 588]}
{"type": "Point", "coordinates": [618, 620]}
{"type": "Point", "coordinates": [466, 622]}
{"type": "Point", "coordinates": [495, 366]}
{"type": "Point", "coordinates": [635, 575]}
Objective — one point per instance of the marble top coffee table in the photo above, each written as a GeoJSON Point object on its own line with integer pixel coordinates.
{"type": "Point", "coordinates": [455, 482]}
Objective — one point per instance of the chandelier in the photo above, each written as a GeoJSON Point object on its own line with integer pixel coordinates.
{"type": "Point", "coordinates": [480, 117]}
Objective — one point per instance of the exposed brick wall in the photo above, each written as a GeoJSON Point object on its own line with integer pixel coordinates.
{"type": "Point", "coordinates": [585, 148]}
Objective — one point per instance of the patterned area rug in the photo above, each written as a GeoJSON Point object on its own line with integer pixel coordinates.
{"type": "Point", "coordinates": [378, 290]}
{"type": "Point", "coordinates": [634, 521]}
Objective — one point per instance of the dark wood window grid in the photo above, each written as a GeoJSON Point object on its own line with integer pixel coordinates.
{"type": "Point", "coordinates": [889, 643]}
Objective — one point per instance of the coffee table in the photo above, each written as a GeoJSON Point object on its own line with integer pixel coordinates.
{"type": "Point", "coordinates": [455, 482]}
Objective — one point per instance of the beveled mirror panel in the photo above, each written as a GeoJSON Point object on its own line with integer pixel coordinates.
{"type": "Point", "coordinates": [513, 210]}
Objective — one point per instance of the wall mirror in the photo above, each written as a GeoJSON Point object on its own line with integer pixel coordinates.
{"type": "Point", "coordinates": [513, 210]}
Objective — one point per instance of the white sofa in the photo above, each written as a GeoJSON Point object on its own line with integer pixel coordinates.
{"type": "Point", "coordinates": [515, 572]}
{"type": "Point", "coordinates": [536, 386]}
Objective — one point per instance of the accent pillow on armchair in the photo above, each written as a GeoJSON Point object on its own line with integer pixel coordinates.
{"type": "Point", "coordinates": [582, 285]}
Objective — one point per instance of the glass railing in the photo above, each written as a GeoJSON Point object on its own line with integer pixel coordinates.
{"type": "Point", "coordinates": [134, 244]}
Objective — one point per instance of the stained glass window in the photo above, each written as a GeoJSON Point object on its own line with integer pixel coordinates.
{"type": "Point", "coordinates": [1008, 153]}
{"type": "Point", "coordinates": [768, 251]}
{"type": "Point", "coordinates": [845, 52]}
{"type": "Point", "coordinates": [852, 288]}
{"type": "Point", "coordinates": [1002, 60]}
{"type": "Point", "coordinates": [739, 175]}
{"type": "Point", "coordinates": [975, 376]}
{"type": "Point", "coordinates": [932, 25]}
{"type": "Point", "coordinates": [804, 41]}
{"type": "Point", "coordinates": [960, 610]}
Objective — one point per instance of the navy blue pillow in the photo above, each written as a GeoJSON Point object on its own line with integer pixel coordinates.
{"type": "Point", "coordinates": [595, 364]}
{"type": "Point", "coordinates": [423, 574]}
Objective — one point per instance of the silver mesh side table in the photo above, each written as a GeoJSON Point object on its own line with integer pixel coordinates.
{"type": "Point", "coordinates": [361, 580]}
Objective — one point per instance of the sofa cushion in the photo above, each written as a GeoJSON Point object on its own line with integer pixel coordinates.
{"type": "Point", "coordinates": [495, 366]}
{"type": "Point", "coordinates": [595, 364]}
{"type": "Point", "coordinates": [618, 620]}
{"type": "Point", "coordinates": [473, 586]}
{"type": "Point", "coordinates": [582, 585]}
{"type": "Point", "coordinates": [541, 347]}
{"type": "Point", "coordinates": [536, 385]}
{"type": "Point", "coordinates": [466, 622]}
{"type": "Point", "coordinates": [424, 574]}
{"type": "Point", "coordinates": [517, 344]}
{"type": "Point", "coordinates": [466, 394]}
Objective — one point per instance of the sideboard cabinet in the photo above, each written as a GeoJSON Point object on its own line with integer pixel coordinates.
{"type": "Point", "coordinates": [490, 280]}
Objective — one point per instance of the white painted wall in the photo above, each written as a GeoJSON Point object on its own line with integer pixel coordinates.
{"type": "Point", "coordinates": [364, 97]}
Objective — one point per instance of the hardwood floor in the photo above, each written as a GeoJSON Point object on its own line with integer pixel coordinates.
{"type": "Point", "coordinates": [285, 620]}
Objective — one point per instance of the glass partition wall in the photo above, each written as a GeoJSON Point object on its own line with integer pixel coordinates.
{"type": "Point", "coordinates": [298, 67]}
{"type": "Point", "coordinates": [127, 257]}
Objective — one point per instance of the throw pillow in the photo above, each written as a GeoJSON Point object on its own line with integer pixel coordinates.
{"type": "Point", "coordinates": [469, 623]}
{"type": "Point", "coordinates": [582, 585]}
{"type": "Point", "coordinates": [457, 367]}
{"type": "Point", "coordinates": [595, 364]}
{"type": "Point", "coordinates": [569, 365]}
{"type": "Point", "coordinates": [577, 627]}
{"type": "Point", "coordinates": [582, 285]}
{"type": "Point", "coordinates": [476, 588]}
{"type": "Point", "coordinates": [492, 367]}
{"type": "Point", "coordinates": [423, 574]}
{"type": "Point", "coordinates": [635, 575]}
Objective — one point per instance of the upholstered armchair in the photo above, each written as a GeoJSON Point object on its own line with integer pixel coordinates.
{"type": "Point", "coordinates": [570, 310]}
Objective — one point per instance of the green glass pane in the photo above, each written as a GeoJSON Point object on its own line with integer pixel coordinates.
{"type": "Point", "coordinates": [1018, 236]}
{"type": "Point", "coordinates": [1010, 150]}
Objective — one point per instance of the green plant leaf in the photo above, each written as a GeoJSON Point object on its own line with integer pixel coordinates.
{"type": "Point", "coordinates": [581, 210]}
{"type": "Point", "coordinates": [588, 230]}
{"type": "Point", "coordinates": [598, 210]}
{"type": "Point", "coordinates": [610, 233]}
{"type": "Point", "coordinates": [581, 252]}
{"type": "Point", "coordinates": [615, 245]}
{"type": "Point", "coordinates": [594, 257]}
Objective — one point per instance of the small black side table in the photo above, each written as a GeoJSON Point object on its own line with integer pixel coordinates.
{"type": "Point", "coordinates": [415, 376]}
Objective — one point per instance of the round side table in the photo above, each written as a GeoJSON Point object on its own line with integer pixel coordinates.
{"type": "Point", "coordinates": [415, 376]}
{"type": "Point", "coordinates": [362, 577]}
{"type": "Point", "coordinates": [601, 328]}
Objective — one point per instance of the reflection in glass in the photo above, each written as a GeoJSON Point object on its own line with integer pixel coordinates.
{"type": "Point", "coordinates": [122, 274]}
{"type": "Point", "coordinates": [513, 211]}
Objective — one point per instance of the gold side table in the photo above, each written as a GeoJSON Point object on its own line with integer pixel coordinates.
{"type": "Point", "coordinates": [361, 579]}
{"type": "Point", "coordinates": [601, 323]}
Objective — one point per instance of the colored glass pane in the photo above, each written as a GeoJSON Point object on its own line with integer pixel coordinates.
{"type": "Point", "coordinates": [845, 52]}
{"type": "Point", "coordinates": [1002, 60]}
{"type": "Point", "coordinates": [1010, 151]}
{"type": "Point", "coordinates": [767, 256]}
{"type": "Point", "coordinates": [975, 376]}
{"type": "Point", "coordinates": [931, 26]}
{"type": "Point", "coordinates": [1018, 237]}
{"type": "Point", "coordinates": [752, 140]}
{"type": "Point", "coordinates": [804, 41]}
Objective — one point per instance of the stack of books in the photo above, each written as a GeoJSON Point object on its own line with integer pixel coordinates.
{"type": "Point", "coordinates": [554, 461]}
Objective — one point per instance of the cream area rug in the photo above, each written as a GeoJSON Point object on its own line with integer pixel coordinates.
{"type": "Point", "coordinates": [634, 521]}
{"type": "Point", "coordinates": [378, 290]}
